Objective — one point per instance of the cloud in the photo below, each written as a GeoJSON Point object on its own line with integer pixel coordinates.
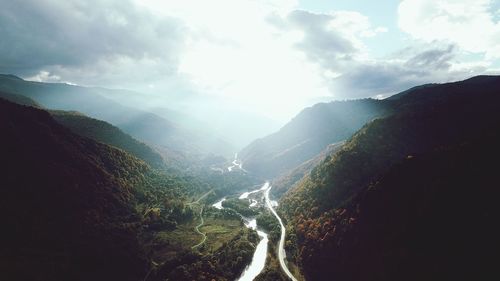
{"type": "Point", "coordinates": [45, 76]}
{"type": "Point", "coordinates": [76, 39]}
{"type": "Point", "coordinates": [470, 24]}
{"type": "Point", "coordinates": [432, 59]}
{"type": "Point", "coordinates": [321, 42]}
{"type": "Point", "coordinates": [335, 42]}
{"type": "Point", "coordinates": [234, 54]}
{"type": "Point", "coordinates": [328, 38]}
{"type": "Point", "coordinates": [411, 66]}
{"type": "Point", "coordinates": [262, 56]}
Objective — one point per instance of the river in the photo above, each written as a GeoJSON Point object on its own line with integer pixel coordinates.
{"type": "Point", "coordinates": [236, 163]}
{"type": "Point", "coordinates": [259, 257]}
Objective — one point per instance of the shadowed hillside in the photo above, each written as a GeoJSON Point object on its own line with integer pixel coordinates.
{"type": "Point", "coordinates": [306, 135]}
{"type": "Point", "coordinates": [97, 130]}
{"type": "Point", "coordinates": [106, 133]}
{"type": "Point", "coordinates": [405, 192]}
{"type": "Point", "coordinates": [76, 209]}
{"type": "Point", "coordinates": [66, 203]}
{"type": "Point", "coordinates": [141, 124]}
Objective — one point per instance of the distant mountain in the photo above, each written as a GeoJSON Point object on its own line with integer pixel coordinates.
{"type": "Point", "coordinates": [97, 130]}
{"type": "Point", "coordinates": [306, 135]}
{"type": "Point", "coordinates": [410, 195]}
{"type": "Point", "coordinates": [141, 124]}
{"type": "Point", "coordinates": [106, 133]}
{"type": "Point", "coordinates": [215, 118]}
{"type": "Point", "coordinates": [288, 180]}
{"type": "Point", "coordinates": [19, 99]}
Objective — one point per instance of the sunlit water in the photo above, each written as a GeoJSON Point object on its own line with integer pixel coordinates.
{"type": "Point", "coordinates": [254, 203]}
{"type": "Point", "coordinates": [258, 260]}
{"type": "Point", "coordinates": [236, 163]}
{"type": "Point", "coordinates": [259, 256]}
{"type": "Point", "coordinates": [218, 204]}
{"type": "Point", "coordinates": [263, 188]}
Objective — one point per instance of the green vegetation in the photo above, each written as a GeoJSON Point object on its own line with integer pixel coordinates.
{"type": "Point", "coordinates": [410, 196]}
{"type": "Point", "coordinates": [272, 271]}
{"type": "Point", "coordinates": [267, 221]}
{"type": "Point", "coordinates": [224, 184]}
{"type": "Point", "coordinates": [143, 125]}
{"type": "Point", "coordinates": [306, 135]}
{"type": "Point", "coordinates": [344, 220]}
{"type": "Point", "coordinates": [65, 198]}
{"type": "Point", "coordinates": [106, 133]}
{"type": "Point", "coordinates": [228, 248]}
{"type": "Point", "coordinates": [19, 99]}
{"type": "Point", "coordinates": [226, 264]}
{"type": "Point", "coordinates": [241, 206]}
{"type": "Point", "coordinates": [220, 230]}
{"type": "Point", "coordinates": [286, 182]}
{"type": "Point", "coordinates": [119, 218]}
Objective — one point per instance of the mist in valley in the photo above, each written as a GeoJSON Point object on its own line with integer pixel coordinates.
{"type": "Point", "coordinates": [264, 140]}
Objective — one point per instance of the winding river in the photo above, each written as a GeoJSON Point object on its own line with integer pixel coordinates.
{"type": "Point", "coordinates": [259, 257]}
{"type": "Point", "coordinates": [236, 163]}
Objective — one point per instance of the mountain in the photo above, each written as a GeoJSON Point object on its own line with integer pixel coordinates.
{"type": "Point", "coordinates": [306, 135]}
{"type": "Point", "coordinates": [97, 130]}
{"type": "Point", "coordinates": [286, 182]}
{"type": "Point", "coordinates": [143, 125]}
{"type": "Point", "coordinates": [215, 118]}
{"type": "Point", "coordinates": [73, 208]}
{"type": "Point", "coordinates": [19, 99]}
{"type": "Point", "coordinates": [106, 133]}
{"type": "Point", "coordinates": [409, 196]}
{"type": "Point", "coordinates": [66, 203]}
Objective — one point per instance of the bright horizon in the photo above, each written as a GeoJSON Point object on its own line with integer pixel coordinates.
{"type": "Point", "coordinates": [265, 58]}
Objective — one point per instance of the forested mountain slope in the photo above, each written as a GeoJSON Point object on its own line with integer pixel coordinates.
{"type": "Point", "coordinates": [66, 203]}
{"type": "Point", "coordinates": [19, 99]}
{"type": "Point", "coordinates": [72, 208]}
{"type": "Point", "coordinates": [286, 181]}
{"type": "Point", "coordinates": [406, 192]}
{"type": "Point", "coordinates": [76, 209]}
{"type": "Point", "coordinates": [106, 133]}
{"type": "Point", "coordinates": [143, 125]}
{"type": "Point", "coordinates": [98, 130]}
{"type": "Point", "coordinates": [308, 134]}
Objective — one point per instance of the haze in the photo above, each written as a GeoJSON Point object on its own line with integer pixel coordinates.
{"type": "Point", "coordinates": [244, 67]}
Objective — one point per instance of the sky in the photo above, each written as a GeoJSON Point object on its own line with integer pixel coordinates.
{"type": "Point", "coordinates": [262, 58]}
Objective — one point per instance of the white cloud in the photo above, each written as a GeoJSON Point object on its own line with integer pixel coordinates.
{"type": "Point", "coordinates": [44, 76]}
{"type": "Point", "coordinates": [88, 43]}
{"type": "Point", "coordinates": [354, 25]}
{"type": "Point", "coordinates": [470, 24]}
{"type": "Point", "coordinates": [233, 52]}
{"type": "Point", "coordinates": [264, 56]}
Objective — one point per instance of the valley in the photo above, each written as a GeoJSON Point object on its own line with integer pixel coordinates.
{"type": "Point", "coordinates": [249, 140]}
{"type": "Point", "coordinates": [380, 192]}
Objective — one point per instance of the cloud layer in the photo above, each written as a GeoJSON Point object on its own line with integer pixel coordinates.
{"type": "Point", "coordinates": [470, 24]}
{"type": "Point", "coordinates": [244, 54]}
{"type": "Point", "coordinates": [88, 40]}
